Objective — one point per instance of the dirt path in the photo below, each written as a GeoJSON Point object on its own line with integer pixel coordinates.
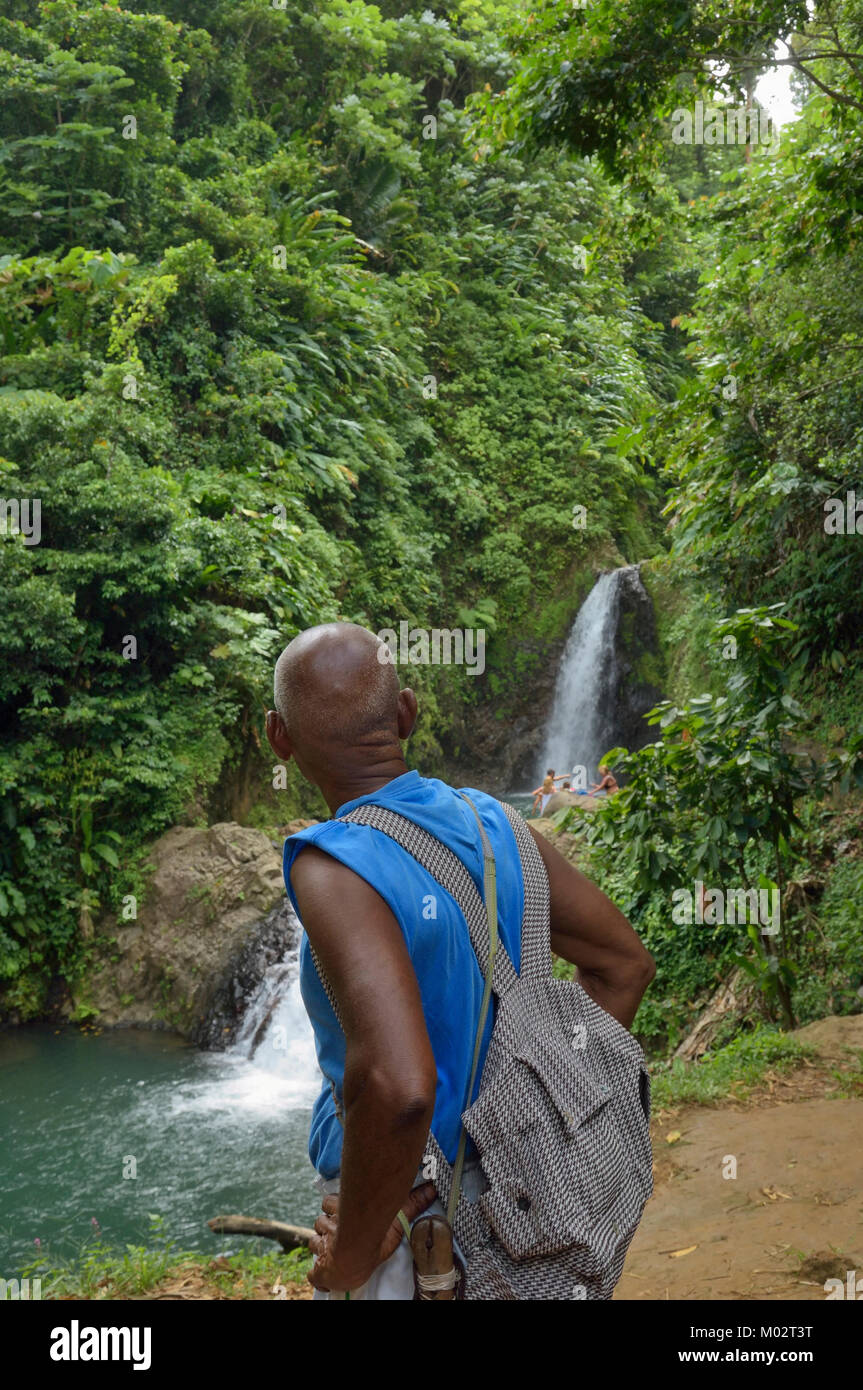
{"type": "Point", "coordinates": [793, 1215]}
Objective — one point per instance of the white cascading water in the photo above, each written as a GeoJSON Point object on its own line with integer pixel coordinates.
{"type": "Point", "coordinates": [273, 1060]}
{"type": "Point", "coordinates": [227, 1131]}
{"type": "Point", "coordinates": [581, 720]}
{"type": "Point", "coordinates": [275, 1034]}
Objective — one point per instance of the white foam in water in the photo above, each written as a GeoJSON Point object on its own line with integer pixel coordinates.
{"type": "Point", "coordinates": [273, 1061]}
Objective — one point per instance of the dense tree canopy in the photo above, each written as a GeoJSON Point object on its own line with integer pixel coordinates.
{"type": "Point", "coordinates": [278, 346]}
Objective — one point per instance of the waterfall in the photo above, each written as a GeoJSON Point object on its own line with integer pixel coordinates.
{"type": "Point", "coordinates": [581, 726]}
{"type": "Point", "coordinates": [259, 1041]}
{"type": "Point", "coordinates": [275, 1033]}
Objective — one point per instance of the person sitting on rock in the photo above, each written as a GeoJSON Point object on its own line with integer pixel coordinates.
{"type": "Point", "coordinates": [607, 784]}
{"type": "Point", "coordinates": [541, 795]}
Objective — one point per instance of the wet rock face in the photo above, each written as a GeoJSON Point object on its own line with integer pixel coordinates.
{"type": "Point", "coordinates": [637, 663]}
{"type": "Point", "coordinates": [264, 946]}
{"type": "Point", "coordinates": [499, 755]}
{"type": "Point", "coordinates": [211, 909]}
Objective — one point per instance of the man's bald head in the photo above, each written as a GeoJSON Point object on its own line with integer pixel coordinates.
{"type": "Point", "coordinates": [332, 688]}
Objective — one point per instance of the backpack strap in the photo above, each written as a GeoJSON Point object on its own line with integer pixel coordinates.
{"type": "Point", "coordinates": [489, 895]}
{"type": "Point", "coordinates": [444, 866]}
{"type": "Point", "coordinates": [535, 963]}
{"type": "Point", "coordinates": [447, 869]}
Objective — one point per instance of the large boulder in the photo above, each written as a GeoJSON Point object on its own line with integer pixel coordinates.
{"type": "Point", "coordinates": [211, 894]}
{"type": "Point", "coordinates": [561, 801]}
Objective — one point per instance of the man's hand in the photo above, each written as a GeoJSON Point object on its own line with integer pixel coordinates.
{"type": "Point", "coordinates": [333, 1268]}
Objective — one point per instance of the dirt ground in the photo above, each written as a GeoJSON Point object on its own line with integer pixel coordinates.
{"type": "Point", "coordinates": [792, 1216]}
{"type": "Point", "coordinates": [213, 1280]}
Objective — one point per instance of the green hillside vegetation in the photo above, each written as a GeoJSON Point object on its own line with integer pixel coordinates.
{"type": "Point", "coordinates": [276, 359]}
{"type": "Point", "coordinates": [753, 778]}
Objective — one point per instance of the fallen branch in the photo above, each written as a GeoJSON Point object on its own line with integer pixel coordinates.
{"type": "Point", "coordinates": [289, 1237]}
{"type": "Point", "coordinates": [733, 998]}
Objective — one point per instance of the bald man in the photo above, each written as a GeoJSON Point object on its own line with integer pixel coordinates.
{"type": "Point", "coordinates": [405, 978]}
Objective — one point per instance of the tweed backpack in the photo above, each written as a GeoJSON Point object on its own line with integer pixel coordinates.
{"type": "Point", "coordinates": [561, 1121]}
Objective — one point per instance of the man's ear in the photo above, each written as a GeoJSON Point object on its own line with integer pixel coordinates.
{"type": "Point", "coordinates": [408, 711]}
{"type": "Point", "coordinates": [278, 736]}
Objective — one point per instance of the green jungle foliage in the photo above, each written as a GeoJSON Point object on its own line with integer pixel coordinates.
{"type": "Point", "coordinates": [270, 356]}
{"type": "Point", "coordinates": [714, 801]}
{"type": "Point", "coordinates": [761, 439]}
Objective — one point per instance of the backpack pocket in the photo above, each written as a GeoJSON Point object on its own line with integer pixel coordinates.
{"type": "Point", "coordinates": [550, 1152]}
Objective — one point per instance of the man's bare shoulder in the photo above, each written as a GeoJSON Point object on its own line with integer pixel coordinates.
{"type": "Point", "coordinates": [314, 871]}
{"type": "Point", "coordinates": [312, 863]}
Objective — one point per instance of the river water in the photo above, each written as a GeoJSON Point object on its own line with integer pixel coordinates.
{"type": "Point", "coordinates": [210, 1133]}
{"type": "Point", "coordinates": [101, 1130]}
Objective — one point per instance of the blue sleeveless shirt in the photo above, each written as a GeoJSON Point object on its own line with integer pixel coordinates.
{"type": "Point", "coordinates": [436, 935]}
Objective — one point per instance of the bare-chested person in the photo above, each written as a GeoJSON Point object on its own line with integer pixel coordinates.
{"type": "Point", "coordinates": [608, 782]}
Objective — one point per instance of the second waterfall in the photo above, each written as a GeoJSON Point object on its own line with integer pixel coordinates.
{"type": "Point", "coordinates": [581, 725]}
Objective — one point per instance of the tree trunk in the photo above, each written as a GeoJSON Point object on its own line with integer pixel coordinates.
{"type": "Point", "coordinates": [735, 997]}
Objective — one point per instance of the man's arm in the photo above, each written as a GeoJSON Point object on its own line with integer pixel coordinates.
{"type": "Point", "coordinates": [390, 1073]}
{"type": "Point", "coordinates": [587, 929]}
